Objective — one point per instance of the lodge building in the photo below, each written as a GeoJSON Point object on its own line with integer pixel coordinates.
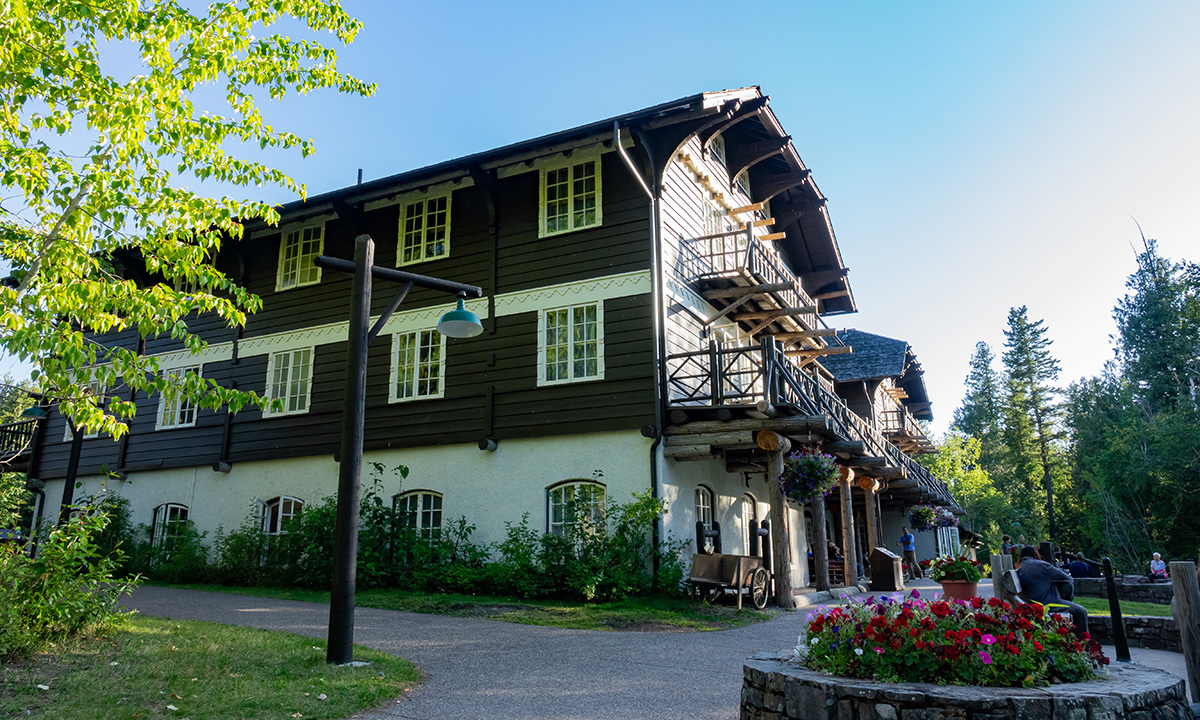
{"type": "Point", "coordinates": [658, 288]}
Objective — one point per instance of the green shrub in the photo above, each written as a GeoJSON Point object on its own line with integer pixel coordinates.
{"type": "Point", "coordinates": [69, 589]}
{"type": "Point", "coordinates": [180, 556]}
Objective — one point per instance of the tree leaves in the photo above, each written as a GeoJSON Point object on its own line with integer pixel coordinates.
{"type": "Point", "coordinates": [149, 142]}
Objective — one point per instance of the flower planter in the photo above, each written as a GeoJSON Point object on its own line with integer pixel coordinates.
{"type": "Point", "coordinates": [774, 688]}
{"type": "Point", "coordinates": [959, 589]}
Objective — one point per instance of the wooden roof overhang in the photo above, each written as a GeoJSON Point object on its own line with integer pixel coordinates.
{"type": "Point", "coordinates": [734, 441]}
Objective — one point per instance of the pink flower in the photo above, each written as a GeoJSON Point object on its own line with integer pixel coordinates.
{"type": "Point", "coordinates": [878, 649]}
{"type": "Point", "coordinates": [987, 659]}
{"type": "Point", "coordinates": [988, 639]}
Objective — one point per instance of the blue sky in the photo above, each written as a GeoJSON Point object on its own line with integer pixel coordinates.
{"type": "Point", "coordinates": [976, 156]}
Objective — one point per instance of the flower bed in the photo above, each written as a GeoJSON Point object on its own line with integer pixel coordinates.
{"type": "Point", "coordinates": [986, 643]}
{"type": "Point", "coordinates": [773, 689]}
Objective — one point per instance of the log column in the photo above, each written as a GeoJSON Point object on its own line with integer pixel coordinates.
{"type": "Point", "coordinates": [820, 548]}
{"type": "Point", "coordinates": [781, 546]}
{"type": "Point", "coordinates": [848, 542]}
{"type": "Point", "coordinates": [868, 487]}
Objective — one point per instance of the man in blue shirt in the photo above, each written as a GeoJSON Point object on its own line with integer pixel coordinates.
{"type": "Point", "coordinates": [908, 544]}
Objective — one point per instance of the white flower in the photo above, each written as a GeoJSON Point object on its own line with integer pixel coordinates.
{"type": "Point", "coordinates": [814, 641]}
{"type": "Point", "coordinates": [858, 651]}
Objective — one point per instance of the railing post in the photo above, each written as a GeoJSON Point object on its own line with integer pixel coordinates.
{"type": "Point", "coordinates": [749, 264]}
{"type": "Point", "coordinates": [714, 372]}
{"type": "Point", "coordinates": [1114, 609]}
{"type": "Point", "coordinates": [768, 368]}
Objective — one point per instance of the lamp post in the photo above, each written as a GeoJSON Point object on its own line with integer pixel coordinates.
{"type": "Point", "coordinates": [456, 323]}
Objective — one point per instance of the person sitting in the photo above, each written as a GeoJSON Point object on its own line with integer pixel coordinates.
{"type": "Point", "coordinates": [835, 553]}
{"type": "Point", "coordinates": [1043, 583]}
{"type": "Point", "coordinates": [1158, 569]}
{"type": "Point", "coordinates": [1077, 568]}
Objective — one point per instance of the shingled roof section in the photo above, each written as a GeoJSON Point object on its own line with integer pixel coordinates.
{"type": "Point", "coordinates": [876, 357]}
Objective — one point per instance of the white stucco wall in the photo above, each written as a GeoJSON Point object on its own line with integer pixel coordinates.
{"type": "Point", "coordinates": [680, 480]}
{"type": "Point", "coordinates": [488, 488]}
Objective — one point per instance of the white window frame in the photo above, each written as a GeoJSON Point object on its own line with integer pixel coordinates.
{"type": "Point", "coordinates": [305, 273]}
{"type": "Point", "coordinates": [558, 502]}
{"type": "Point", "coordinates": [98, 390]}
{"type": "Point", "coordinates": [426, 519]}
{"type": "Point", "coordinates": [272, 361]}
{"type": "Point", "coordinates": [570, 165]}
{"type": "Point", "coordinates": [418, 336]}
{"type": "Point", "coordinates": [742, 182]}
{"type": "Point", "coordinates": [164, 515]}
{"type": "Point", "coordinates": [748, 502]}
{"type": "Point", "coordinates": [542, 347]}
{"type": "Point", "coordinates": [174, 408]}
{"type": "Point", "coordinates": [289, 507]}
{"type": "Point", "coordinates": [404, 233]}
{"type": "Point", "coordinates": [716, 149]}
{"type": "Point", "coordinates": [703, 503]}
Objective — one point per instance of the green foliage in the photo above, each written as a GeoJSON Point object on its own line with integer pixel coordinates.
{"type": "Point", "coordinates": [960, 568]}
{"type": "Point", "coordinates": [602, 559]}
{"type": "Point", "coordinates": [99, 166]}
{"type": "Point", "coordinates": [69, 589]}
{"type": "Point", "coordinates": [807, 473]}
{"type": "Point", "coordinates": [958, 463]}
{"type": "Point", "coordinates": [16, 503]}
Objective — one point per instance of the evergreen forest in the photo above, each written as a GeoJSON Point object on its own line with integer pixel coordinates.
{"type": "Point", "coordinates": [1106, 465]}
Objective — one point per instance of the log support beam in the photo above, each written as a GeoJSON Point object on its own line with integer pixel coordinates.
{"type": "Point", "coordinates": [781, 545]}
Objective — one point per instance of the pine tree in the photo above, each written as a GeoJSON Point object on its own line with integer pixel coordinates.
{"type": "Point", "coordinates": [980, 413]}
{"type": "Point", "coordinates": [1158, 322]}
{"type": "Point", "coordinates": [1031, 407]}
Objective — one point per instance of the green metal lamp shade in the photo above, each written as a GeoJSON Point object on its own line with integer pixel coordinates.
{"type": "Point", "coordinates": [460, 323]}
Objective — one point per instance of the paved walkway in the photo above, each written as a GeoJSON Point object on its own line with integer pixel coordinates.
{"type": "Point", "coordinates": [487, 669]}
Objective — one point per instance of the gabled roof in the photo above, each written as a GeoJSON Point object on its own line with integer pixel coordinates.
{"type": "Point", "coordinates": [876, 357]}
{"type": "Point", "coordinates": [778, 176]}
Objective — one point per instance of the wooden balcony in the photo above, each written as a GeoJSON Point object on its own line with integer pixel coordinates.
{"type": "Point", "coordinates": [720, 396]}
{"type": "Point", "coordinates": [749, 284]}
{"type": "Point", "coordinates": [16, 442]}
{"type": "Point", "coordinates": [904, 430]}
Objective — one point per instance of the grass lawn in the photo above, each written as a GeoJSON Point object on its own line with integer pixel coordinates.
{"type": "Point", "coordinates": [198, 671]}
{"type": "Point", "coordinates": [682, 614]}
{"type": "Point", "coordinates": [1099, 606]}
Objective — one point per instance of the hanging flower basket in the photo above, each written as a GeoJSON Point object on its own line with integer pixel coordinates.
{"type": "Point", "coordinates": [807, 473]}
{"type": "Point", "coordinates": [924, 518]}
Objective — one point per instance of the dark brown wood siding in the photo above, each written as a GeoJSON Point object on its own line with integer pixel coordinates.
{"type": "Point", "coordinates": [491, 380]}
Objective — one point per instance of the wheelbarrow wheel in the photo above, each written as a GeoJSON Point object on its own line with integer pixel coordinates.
{"type": "Point", "coordinates": [760, 584]}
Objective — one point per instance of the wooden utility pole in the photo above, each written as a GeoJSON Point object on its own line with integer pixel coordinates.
{"type": "Point", "coordinates": [1186, 609]}
{"type": "Point", "coordinates": [781, 545]}
{"type": "Point", "coordinates": [849, 551]}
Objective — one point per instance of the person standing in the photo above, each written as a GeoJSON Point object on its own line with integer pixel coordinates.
{"type": "Point", "coordinates": [1005, 544]}
{"type": "Point", "coordinates": [908, 544]}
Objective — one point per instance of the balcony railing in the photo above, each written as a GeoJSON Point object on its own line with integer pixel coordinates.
{"type": "Point", "coordinates": [738, 253]}
{"type": "Point", "coordinates": [745, 376]}
{"type": "Point", "coordinates": [15, 439]}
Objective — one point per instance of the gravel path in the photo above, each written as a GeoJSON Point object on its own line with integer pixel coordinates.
{"type": "Point", "coordinates": [495, 670]}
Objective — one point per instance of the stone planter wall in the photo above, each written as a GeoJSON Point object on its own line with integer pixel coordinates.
{"type": "Point", "coordinates": [1128, 589]}
{"type": "Point", "coordinates": [776, 690]}
{"type": "Point", "coordinates": [1156, 633]}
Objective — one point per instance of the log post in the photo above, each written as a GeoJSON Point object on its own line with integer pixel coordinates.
{"type": "Point", "coordinates": [998, 578]}
{"type": "Point", "coordinates": [849, 551]}
{"type": "Point", "coordinates": [781, 545]}
{"type": "Point", "coordinates": [820, 548]}
{"type": "Point", "coordinates": [868, 487]}
{"type": "Point", "coordinates": [1186, 609]}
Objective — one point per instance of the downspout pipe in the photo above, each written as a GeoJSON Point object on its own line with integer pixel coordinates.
{"type": "Point", "coordinates": [656, 300]}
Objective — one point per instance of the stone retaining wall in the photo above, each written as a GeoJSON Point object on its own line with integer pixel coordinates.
{"type": "Point", "coordinates": [1156, 633]}
{"type": "Point", "coordinates": [1127, 589]}
{"type": "Point", "coordinates": [773, 689]}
